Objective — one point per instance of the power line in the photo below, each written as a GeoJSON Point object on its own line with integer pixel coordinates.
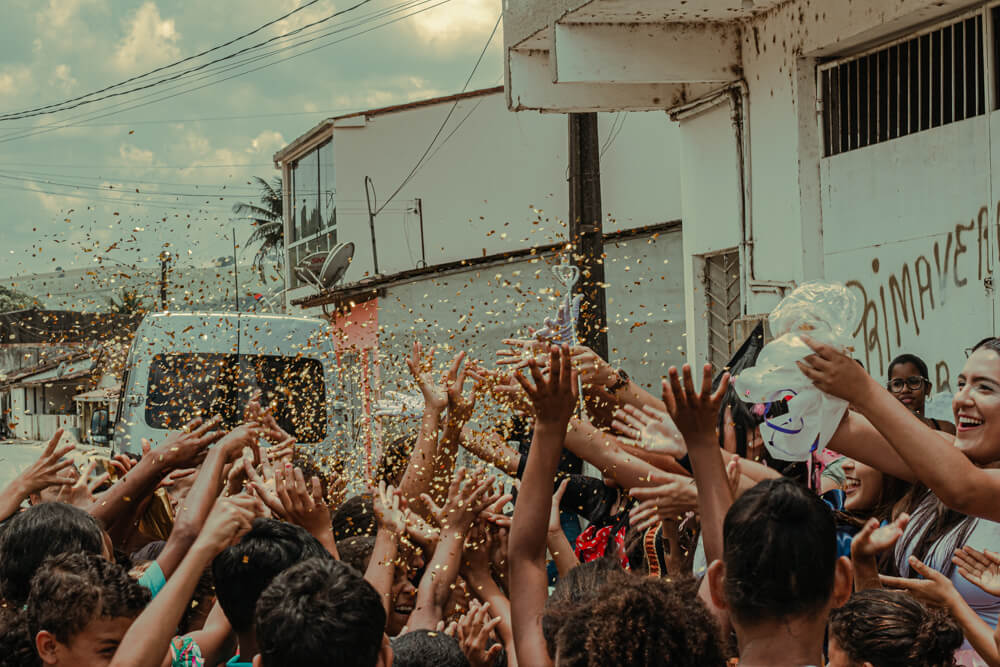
{"type": "Point", "coordinates": [446, 119]}
{"type": "Point", "coordinates": [57, 126]}
{"type": "Point", "coordinates": [81, 100]}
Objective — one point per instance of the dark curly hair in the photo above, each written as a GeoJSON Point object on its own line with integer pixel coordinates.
{"type": "Point", "coordinates": [892, 629]}
{"type": "Point", "coordinates": [641, 622]}
{"type": "Point", "coordinates": [355, 517]}
{"type": "Point", "coordinates": [320, 612]}
{"type": "Point", "coordinates": [67, 593]}
{"type": "Point", "coordinates": [70, 590]}
{"type": "Point", "coordinates": [579, 586]}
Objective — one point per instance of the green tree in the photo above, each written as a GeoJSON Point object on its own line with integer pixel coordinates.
{"type": "Point", "coordinates": [11, 299]}
{"type": "Point", "coordinates": [129, 302]}
{"type": "Point", "coordinates": [268, 223]}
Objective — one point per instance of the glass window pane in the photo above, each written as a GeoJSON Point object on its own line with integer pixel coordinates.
{"type": "Point", "coordinates": [306, 195]}
{"type": "Point", "coordinates": [328, 190]}
{"type": "Point", "coordinates": [182, 386]}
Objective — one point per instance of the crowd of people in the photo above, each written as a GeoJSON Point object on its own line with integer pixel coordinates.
{"type": "Point", "coordinates": [228, 545]}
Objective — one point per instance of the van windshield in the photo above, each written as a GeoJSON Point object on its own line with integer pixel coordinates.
{"type": "Point", "coordinates": [185, 385]}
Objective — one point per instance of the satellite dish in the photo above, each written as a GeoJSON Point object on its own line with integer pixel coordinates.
{"type": "Point", "coordinates": [336, 264]}
{"type": "Point", "coordinates": [323, 270]}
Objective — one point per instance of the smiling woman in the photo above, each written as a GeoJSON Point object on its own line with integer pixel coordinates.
{"type": "Point", "coordinates": [956, 506]}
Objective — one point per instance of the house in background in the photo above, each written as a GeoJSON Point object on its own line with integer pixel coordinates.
{"type": "Point", "coordinates": [466, 229]}
{"type": "Point", "coordinates": [846, 141]}
{"type": "Point", "coordinates": [49, 359]}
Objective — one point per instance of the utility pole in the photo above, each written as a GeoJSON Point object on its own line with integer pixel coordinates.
{"type": "Point", "coordinates": [585, 230]}
{"type": "Point", "coordinates": [164, 261]}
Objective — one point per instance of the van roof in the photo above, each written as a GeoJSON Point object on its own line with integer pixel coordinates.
{"type": "Point", "coordinates": [203, 315]}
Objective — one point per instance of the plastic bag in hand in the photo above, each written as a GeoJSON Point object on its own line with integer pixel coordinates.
{"type": "Point", "coordinates": [826, 312]}
{"type": "Point", "coordinates": [563, 328]}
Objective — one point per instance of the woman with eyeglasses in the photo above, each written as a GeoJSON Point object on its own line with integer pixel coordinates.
{"type": "Point", "coordinates": [959, 506]}
{"type": "Point", "coordinates": [909, 384]}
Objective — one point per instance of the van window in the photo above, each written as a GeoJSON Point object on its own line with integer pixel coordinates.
{"type": "Point", "coordinates": [184, 385]}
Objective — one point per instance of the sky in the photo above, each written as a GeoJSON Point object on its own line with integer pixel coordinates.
{"type": "Point", "coordinates": [106, 183]}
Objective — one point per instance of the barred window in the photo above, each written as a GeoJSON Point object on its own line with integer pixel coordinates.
{"type": "Point", "coordinates": [910, 85]}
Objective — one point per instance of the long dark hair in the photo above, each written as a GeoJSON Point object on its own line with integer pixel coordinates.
{"type": "Point", "coordinates": [931, 520]}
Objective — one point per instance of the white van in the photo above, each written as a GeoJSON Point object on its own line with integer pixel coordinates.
{"type": "Point", "coordinates": [182, 365]}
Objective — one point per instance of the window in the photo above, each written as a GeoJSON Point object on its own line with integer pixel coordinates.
{"type": "Point", "coordinates": [182, 386]}
{"type": "Point", "coordinates": [313, 218]}
{"type": "Point", "coordinates": [915, 84]}
{"type": "Point", "coordinates": [722, 306]}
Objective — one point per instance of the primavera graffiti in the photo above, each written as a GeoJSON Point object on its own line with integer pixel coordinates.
{"type": "Point", "coordinates": [899, 299]}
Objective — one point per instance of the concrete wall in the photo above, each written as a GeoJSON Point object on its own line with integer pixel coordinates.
{"type": "Point", "coordinates": [498, 184]}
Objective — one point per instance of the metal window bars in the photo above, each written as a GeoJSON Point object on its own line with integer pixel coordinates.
{"type": "Point", "coordinates": [915, 83]}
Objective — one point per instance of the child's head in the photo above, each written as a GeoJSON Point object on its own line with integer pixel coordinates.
{"type": "Point", "coordinates": [243, 571]}
{"type": "Point", "coordinates": [882, 628]}
{"type": "Point", "coordinates": [640, 621]}
{"type": "Point", "coordinates": [779, 558]}
{"type": "Point", "coordinates": [321, 612]}
{"type": "Point", "coordinates": [79, 609]}
{"type": "Point", "coordinates": [423, 648]}
{"type": "Point", "coordinates": [40, 532]}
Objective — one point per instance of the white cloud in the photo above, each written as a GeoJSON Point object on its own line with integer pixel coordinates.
{"type": "Point", "coordinates": [57, 14]}
{"type": "Point", "coordinates": [15, 80]}
{"type": "Point", "coordinates": [135, 156]}
{"type": "Point", "coordinates": [457, 23]}
{"type": "Point", "coordinates": [150, 40]}
{"type": "Point", "coordinates": [63, 78]}
{"type": "Point", "coordinates": [313, 13]}
{"type": "Point", "coordinates": [267, 142]}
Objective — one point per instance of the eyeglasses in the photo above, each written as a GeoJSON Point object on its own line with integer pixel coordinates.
{"type": "Point", "coordinates": [913, 383]}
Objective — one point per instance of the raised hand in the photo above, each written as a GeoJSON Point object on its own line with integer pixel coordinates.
{"type": "Point", "coordinates": [296, 500]}
{"type": "Point", "coordinates": [460, 405]}
{"type": "Point", "coordinates": [229, 520]}
{"type": "Point", "coordinates": [696, 413]}
{"type": "Point", "coordinates": [934, 589]}
{"type": "Point", "coordinates": [554, 397]}
{"type": "Point", "coordinates": [435, 395]}
{"type": "Point", "coordinates": [47, 470]}
{"type": "Point", "coordinates": [873, 539]}
{"type": "Point", "coordinates": [982, 568]}
{"type": "Point", "coordinates": [240, 438]}
{"type": "Point", "coordinates": [390, 515]}
{"type": "Point", "coordinates": [650, 429]}
{"type": "Point", "coordinates": [80, 493]}
{"type": "Point", "coordinates": [667, 502]}
{"type": "Point", "coordinates": [594, 370]}
{"type": "Point", "coordinates": [834, 372]}
{"type": "Point", "coordinates": [467, 497]}
{"type": "Point", "coordinates": [475, 635]}
{"type": "Point", "coordinates": [186, 448]}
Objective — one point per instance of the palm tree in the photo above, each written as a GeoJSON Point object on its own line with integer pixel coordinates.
{"type": "Point", "coordinates": [129, 302]}
{"type": "Point", "coordinates": [268, 223]}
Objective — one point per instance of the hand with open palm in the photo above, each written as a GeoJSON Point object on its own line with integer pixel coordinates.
{"type": "Point", "coordinates": [650, 429]}
{"type": "Point", "coordinates": [980, 567]}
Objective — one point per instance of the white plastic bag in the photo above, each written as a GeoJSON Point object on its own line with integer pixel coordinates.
{"type": "Point", "coordinates": [825, 312]}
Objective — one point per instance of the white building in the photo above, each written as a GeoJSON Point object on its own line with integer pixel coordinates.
{"type": "Point", "coordinates": [848, 141]}
{"type": "Point", "coordinates": [465, 244]}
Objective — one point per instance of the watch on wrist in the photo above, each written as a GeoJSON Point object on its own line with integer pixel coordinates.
{"type": "Point", "coordinates": [621, 382]}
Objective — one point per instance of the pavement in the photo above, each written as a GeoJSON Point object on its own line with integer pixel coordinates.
{"type": "Point", "coordinates": [16, 455]}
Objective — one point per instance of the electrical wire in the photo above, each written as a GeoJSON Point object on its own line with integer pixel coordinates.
{"type": "Point", "coordinates": [446, 118]}
{"type": "Point", "coordinates": [72, 123]}
{"type": "Point", "coordinates": [361, 21]}
{"type": "Point", "coordinates": [80, 101]}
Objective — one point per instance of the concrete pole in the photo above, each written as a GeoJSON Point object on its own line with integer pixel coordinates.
{"type": "Point", "coordinates": [585, 229]}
